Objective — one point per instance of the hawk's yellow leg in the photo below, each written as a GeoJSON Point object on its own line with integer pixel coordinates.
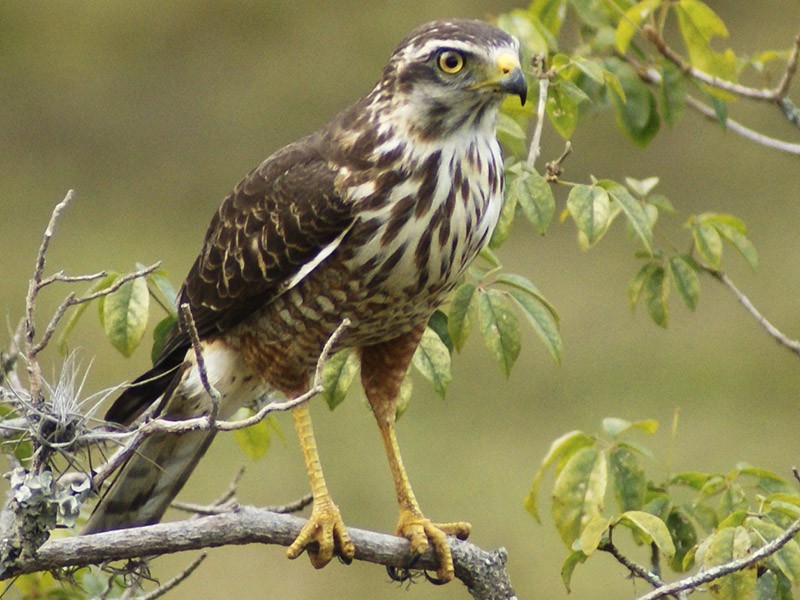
{"type": "Point", "coordinates": [383, 367]}
{"type": "Point", "coordinates": [324, 533]}
{"type": "Point", "coordinates": [412, 524]}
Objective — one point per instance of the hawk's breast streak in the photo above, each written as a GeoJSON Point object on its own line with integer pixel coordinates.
{"type": "Point", "coordinates": [427, 234]}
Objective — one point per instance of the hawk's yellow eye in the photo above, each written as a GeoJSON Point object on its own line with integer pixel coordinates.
{"type": "Point", "coordinates": [451, 62]}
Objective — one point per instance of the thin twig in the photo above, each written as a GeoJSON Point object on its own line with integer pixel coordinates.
{"type": "Point", "coordinates": [745, 132]}
{"type": "Point", "coordinates": [765, 94]}
{"type": "Point", "coordinates": [61, 278]}
{"type": "Point", "coordinates": [292, 507]}
{"type": "Point", "coordinates": [691, 583]}
{"type": "Point", "coordinates": [175, 581]}
{"type": "Point", "coordinates": [776, 333]}
{"type": "Point", "coordinates": [543, 75]}
{"type": "Point", "coordinates": [635, 569]}
{"type": "Point", "coordinates": [782, 89]}
{"type": "Point", "coordinates": [34, 285]}
{"type": "Point", "coordinates": [187, 320]}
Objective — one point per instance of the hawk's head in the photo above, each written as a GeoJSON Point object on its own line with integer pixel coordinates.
{"type": "Point", "coordinates": [449, 74]}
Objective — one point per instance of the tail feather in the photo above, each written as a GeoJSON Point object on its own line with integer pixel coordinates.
{"type": "Point", "coordinates": [151, 478]}
{"type": "Point", "coordinates": [149, 481]}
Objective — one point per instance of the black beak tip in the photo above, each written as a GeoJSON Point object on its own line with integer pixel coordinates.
{"type": "Point", "coordinates": [515, 84]}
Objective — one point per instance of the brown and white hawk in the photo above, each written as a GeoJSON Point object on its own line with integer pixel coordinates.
{"type": "Point", "coordinates": [375, 217]}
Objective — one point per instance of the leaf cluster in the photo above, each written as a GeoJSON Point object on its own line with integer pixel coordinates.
{"type": "Point", "coordinates": [688, 519]}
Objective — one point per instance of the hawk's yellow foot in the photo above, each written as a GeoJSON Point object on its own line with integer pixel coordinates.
{"type": "Point", "coordinates": [323, 536]}
{"type": "Point", "coordinates": [325, 533]}
{"type": "Point", "coordinates": [420, 531]}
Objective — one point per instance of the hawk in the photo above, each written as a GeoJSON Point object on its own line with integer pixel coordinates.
{"type": "Point", "coordinates": [373, 218]}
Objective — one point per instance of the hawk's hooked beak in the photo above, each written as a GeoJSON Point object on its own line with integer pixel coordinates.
{"type": "Point", "coordinates": [511, 79]}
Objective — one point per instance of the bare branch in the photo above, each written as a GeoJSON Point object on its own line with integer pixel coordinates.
{"type": "Point", "coordinates": [543, 75]}
{"type": "Point", "coordinates": [776, 333]}
{"type": "Point", "coordinates": [782, 89]}
{"type": "Point", "coordinates": [482, 572]}
{"type": "Point", "coordinates": [61, 278]}
{"type": "Point", "coordinates": [745, 132]}
{"type": "Point", "coordinates": [691, 583]}
{"type": "Point", "coordinates": [635, 569]}
{"type": "Point", "coordinates": [34, 285]}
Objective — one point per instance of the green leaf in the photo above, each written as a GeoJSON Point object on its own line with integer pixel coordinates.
{"type": "Point", "coordinates": [573, 560]}
{"type": "Point", "coordinates": [787, 559]}
{"type": "Point", "coordinates": [661, 202]}
{"type": "Point", "coordinates": [592, 69]}
{"type": "Point", "coordinates": [631, 21]}
{"type": "Point", "coordinates": [686, 280]}
{"type": "Point", "coordinates": [125, 314]}
{"type": "Point", "coordinates": [254, 441]}
{"type": "Point", "coordinates": [525, 285]}
{"type": "Point", "coordinates": [432, 359]}
{"type": "Point", "coordinates": [628, 479]}
{"type": "Point", "coordinates": [699, 25]}
{"type": "Point", "coordinates": [535, 198]}
{"type": "Point", "coordinates": [637, 114]}
{"type": "Point", "coordinates": [459, 318]}
{"type": "Point", "coordinates": [509, 127]}
{"type": "Point", "coordinates": [641, 187]}
{"type": "Point", "coordinates": [633, 211]}
{"type": "Point", "coordinates": [578, 493]}
{"type": "Point", "coordinates": [672, 93]}
{"type": "Point", "coordinates": [773, 586]}
{"type": "Point", "coordinates": [338, 374]}
{"type": "Point", "coordinates": [507, 213]}
{"type": "Point", "coordinates": [160, 333]}
{"type": "Point", "coordinates": [406, 388]}
{"type": "Point", "coordinates": [592, 534]}
{"type": "Point", "coordinates": [739, 241]}
{"type": "Point", "coordinates": [651, 527]}
{"type": "Point", "coordinates": [684, 536]}
{"type": "Point", "coordinates": [499, 327]}
{"type": "Point", "coordinates": [550, 13]}
{"type": "Point", "coordinates": [541, 319]}
{"type": "Point", "coordinates": [159, 279]}
{"type": "Point", "coordinates": [562, 111]}
{"type": "Point", "coordinates": [591, 210]}
{"type": "Point", "coordinates": [519, 24]}
{"type": "Point", "coordinates": [560, 451]}
{"type": "Point", "coordinates": [655, 292]}
{"type": "Point", "coordinates": [708, 243]}
{"type": "Point", "coordinates": [722, 547]}
{"type": "Point", "coordinates": [80, 308]}
{"type": "Point", "coordinates": [637, 285]}
{"type": "Point", "coordinates": [693, 479]}
{"type": "Point", "coordinates": [439, 324]}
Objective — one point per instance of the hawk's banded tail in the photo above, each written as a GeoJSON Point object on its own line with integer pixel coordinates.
{"type": "Point", "coordinates": [151, 478]}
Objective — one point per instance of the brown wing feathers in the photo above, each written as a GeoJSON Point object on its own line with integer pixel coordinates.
{"type": "Point", "coordinates": [277, 219]}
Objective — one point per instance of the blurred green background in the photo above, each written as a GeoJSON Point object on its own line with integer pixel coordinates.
{"type": "Point", "coordinates": [152, 111]}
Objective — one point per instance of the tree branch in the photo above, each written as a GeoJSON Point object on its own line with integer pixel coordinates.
{"type": "Point", "coordinates": [482, 572]}
{"type": "Point", "coordinates": [776, 333]}
{"type": "Point", "coordinates": [691, 583]}
{"type": "Point", "coordinates": [765, 94]}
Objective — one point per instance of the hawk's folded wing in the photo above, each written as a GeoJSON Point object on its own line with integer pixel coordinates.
{"type": "Point", "coordinates": [280, 222]}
